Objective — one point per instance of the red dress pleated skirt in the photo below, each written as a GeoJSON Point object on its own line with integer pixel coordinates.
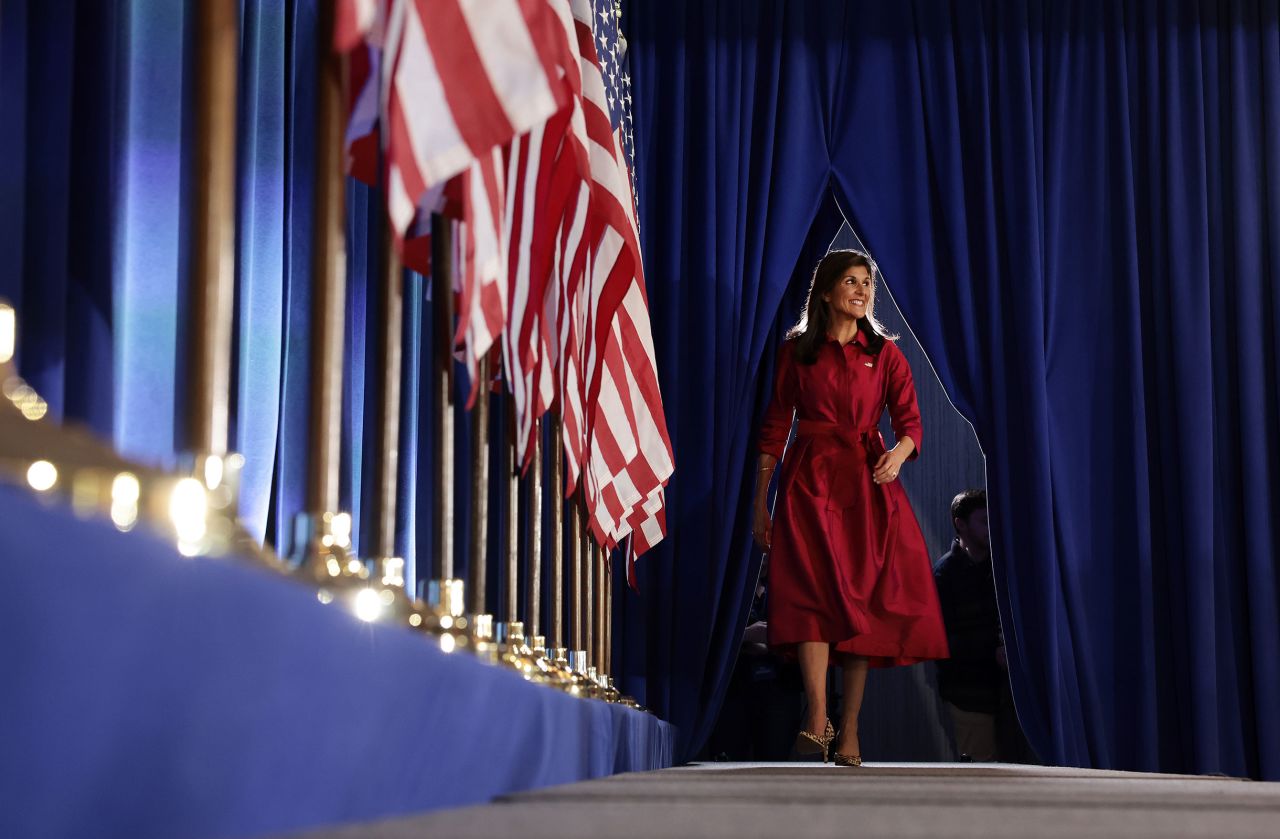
{"type": "Point", "coordinates": [848, 564]}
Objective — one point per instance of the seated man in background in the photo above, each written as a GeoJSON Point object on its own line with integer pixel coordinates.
{"type": "Point", "coordinates": [975, 680]}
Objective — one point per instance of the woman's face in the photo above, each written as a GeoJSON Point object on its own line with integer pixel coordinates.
{"type": "Point", "coordinates": [853, 294]}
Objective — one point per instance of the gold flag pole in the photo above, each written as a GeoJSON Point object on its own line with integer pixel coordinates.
{"type": "Point", "coordinates": [575, 585]}
{"type": "Point", "coordinates": [537, 645]}
{"type": "Point", "coordinates": [512, 577]}
{"type": "Point", "coordinates": [213, 244]}
{"type": "Point", "coordinates": [511, 634]}
{"type": "Point", "coordinates": [442, 310]}
{"type": "Point", "coordinates": [387, 429]}
{"type": "Point", "coordinates": [447, 593]}
{"type": "Point", "coordinates": [608, 618]}
{"type": "Point", "coordinates": [533, 593]}
{"type": "Point", "coordinates": [597, 571]}
{"type": "Point", "coordinates": [212, 281]}
{"type": "Point", "coordinates": [387, 599]}
{"type": "Point", "coordinates": [323, 535]}
{"type": "Point", "coordinates": [577, 629]}
{"type": "Point", "coordinates": [556, 621]}
{"type": "Point", "coordinates": [329, 271]}
{"type": "Point", "coordinates": [479, 553]}
{"type": "Point", "coordinates": [588, 597]}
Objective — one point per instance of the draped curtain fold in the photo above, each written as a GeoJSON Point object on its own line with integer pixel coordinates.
{"type": "Point", "coordinates": [1078, 207]}
{"type": "Point", "coordinates": [730, 174]}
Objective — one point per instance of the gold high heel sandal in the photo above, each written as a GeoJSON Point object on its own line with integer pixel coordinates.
{"type": "Point", "coordinates": [810, 745]}
{"type": "Point", "coordinates": [844, 760]}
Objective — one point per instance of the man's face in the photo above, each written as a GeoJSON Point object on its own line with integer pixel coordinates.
{"type": "Point", "coordinates": [973, 530]}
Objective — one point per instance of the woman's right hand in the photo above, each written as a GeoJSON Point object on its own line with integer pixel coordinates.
{"type": "Point", "coordinates": [762, 528]}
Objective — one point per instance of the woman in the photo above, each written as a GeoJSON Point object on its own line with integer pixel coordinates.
{"type": "Point", "coordinates": [849, 571]}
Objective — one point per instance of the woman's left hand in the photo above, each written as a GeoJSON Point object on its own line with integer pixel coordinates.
{"type": "Point", "coordinates": [888, 466]}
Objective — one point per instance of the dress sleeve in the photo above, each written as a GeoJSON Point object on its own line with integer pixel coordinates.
{"type": "Point", "coordinates": [776, 427]}
{"type": "Point", "coordinates": [904, 412]}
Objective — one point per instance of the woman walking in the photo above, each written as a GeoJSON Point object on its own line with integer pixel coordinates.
{"type": "Point", "coordinates": [850, 576]}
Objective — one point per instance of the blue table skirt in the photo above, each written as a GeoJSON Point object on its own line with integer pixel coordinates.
{"type": "Point", "coordinates": [146, 694]}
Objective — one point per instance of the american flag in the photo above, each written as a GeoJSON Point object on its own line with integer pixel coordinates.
{"type": "Point", "coordinates": [450, 83]}
{"type": "Point", "coordinates": [615, 70]}
{"type": "Point", "coordinates": [526, 103]}
{"type": "Point", "coordinates": [628, 455]}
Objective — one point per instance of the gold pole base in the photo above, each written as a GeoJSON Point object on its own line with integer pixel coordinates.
{"type": "Point", "coordinates": [566, 679]}
{"type": "Point", "coordinates": [321, 549]}
{"type": "Point", "coordinates": [519, 656]}
{"type": "Point", "coordinates": [584, 676]}
{"type": "Point", "coordinates": [323, 559]}
{"type": "Point", "coordinates": [443, 616]}
{"type": "Point", "coordinates": [219, 475]}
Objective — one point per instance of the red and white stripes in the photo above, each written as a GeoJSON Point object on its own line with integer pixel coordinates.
{"type": "Point", "coordinates": [505, 101]}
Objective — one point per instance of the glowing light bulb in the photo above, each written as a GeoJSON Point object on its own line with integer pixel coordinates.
{"type": "Point", "coordinates": [393, 572]}
{"type": "Point", "coordinates": [340, 527]}
{"type": "Point", "coordinates": [368, 606]}
{"type": "Point", "coordinates": [188, 510]}
{"type": "Point", "coordinates": [212, 471]}
{"type": "Point", "coordinates": [125, 492]}
{"type": "Point", "coordinates": [34, 408]}
{"type": "Point", "coordinates": [42, 475]}
{"type": "Point", "coordinates": [8, 332]}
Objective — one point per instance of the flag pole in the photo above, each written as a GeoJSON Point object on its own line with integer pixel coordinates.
{"type": "Point", "coordinates": [588, 593]}
{"type": "Point", "coordinates": [512, 577]}
{"type": "Point", "coordinates": [533, 594]}
{"type": "Point", "coordinates": [597, 570]}
{"type": "Point", "coordinates": [442, 383]}
{"type": "Point", "coordinates": [382, 498]}
{"type": "Point", "coordinates": [556, 621]}
{"type": "Point", "coordinates": [213, 258]}
{"type": "Point", "coordinates": [479, 553]}
{"type": "Point", "coordinates": [325, 534]}
{"type": "Point", "coordinates": [608, 617]}
{"type": "Point", "coordinates": [575, 585]}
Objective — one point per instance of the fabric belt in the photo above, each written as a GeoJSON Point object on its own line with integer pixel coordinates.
{"type": "Point", "coordinates": [866, 442]}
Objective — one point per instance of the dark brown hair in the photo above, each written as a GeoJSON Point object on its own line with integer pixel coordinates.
{"type": "Point", "coordinates": [967, 503]}
{"type": "Point", "coordinates": [811, 330]}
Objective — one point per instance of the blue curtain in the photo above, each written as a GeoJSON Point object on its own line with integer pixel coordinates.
{"type": "Point", "coordinates": [1077, 205]}
{"type": "Point", "coordinates": [58, 77]}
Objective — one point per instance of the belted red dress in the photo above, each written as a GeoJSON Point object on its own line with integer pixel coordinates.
{"type": "Point", "coordinates": [848, 563]}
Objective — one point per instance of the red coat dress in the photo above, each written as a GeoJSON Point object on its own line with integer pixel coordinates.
{"type": "Point", "coordinates": [848, 564]}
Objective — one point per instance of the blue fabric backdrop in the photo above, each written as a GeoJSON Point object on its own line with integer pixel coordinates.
{"type": "Point", "coordinates": [1078, 206]}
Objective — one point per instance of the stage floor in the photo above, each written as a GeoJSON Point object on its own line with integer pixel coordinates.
{"type": "Point", "coordinates": [878, 800]}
